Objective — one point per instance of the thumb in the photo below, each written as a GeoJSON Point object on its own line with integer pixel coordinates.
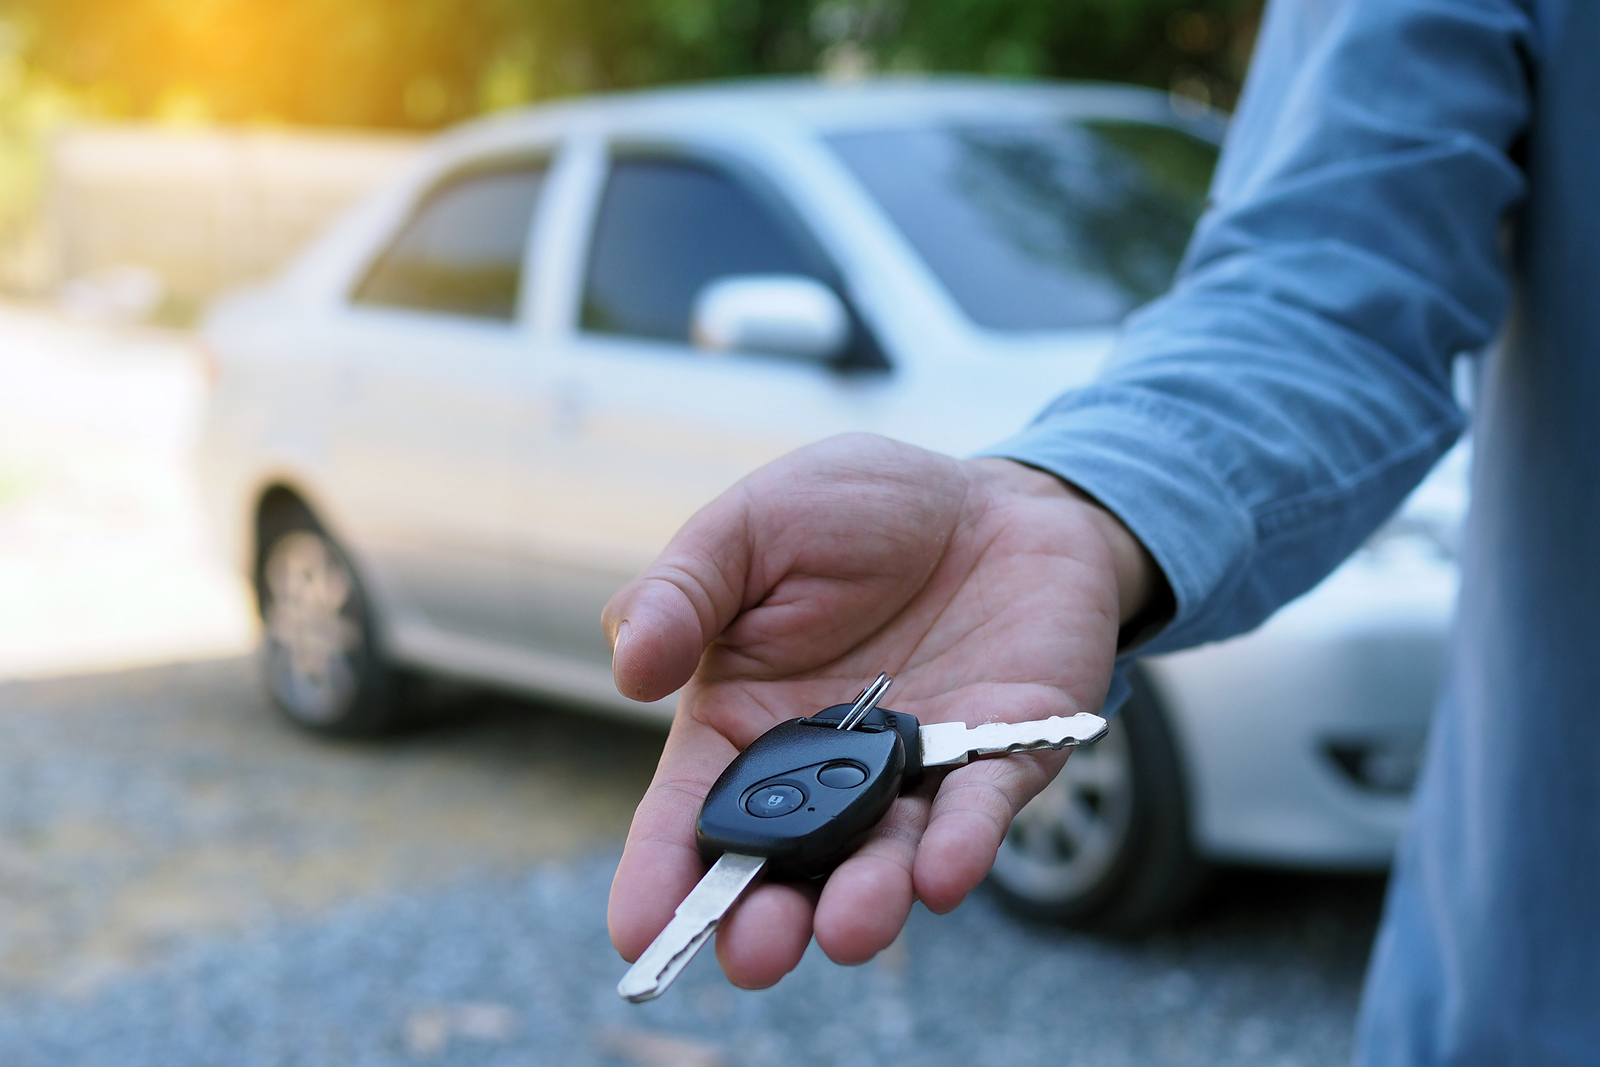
{"type": "Point", "coordinates": [661, 622]}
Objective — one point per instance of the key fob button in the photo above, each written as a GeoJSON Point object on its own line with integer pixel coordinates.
{"type": "Point", "coordinates": [842, 775]}
{"type": "Point", "coordinates": [770, 801]}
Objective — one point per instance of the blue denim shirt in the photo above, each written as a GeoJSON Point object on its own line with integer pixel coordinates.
{"type": "Point", "coordinates": [1405, 180]}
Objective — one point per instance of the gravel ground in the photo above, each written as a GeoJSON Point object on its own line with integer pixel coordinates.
{"type": "Point", "coordinates": [184, 881]}
{"type": "Point", "coordinates": [142, 809]}
{"type": "Point", "coordinates": [518, 971]}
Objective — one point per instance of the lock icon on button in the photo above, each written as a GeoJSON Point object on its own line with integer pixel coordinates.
{"type": "Point", "coordinates": [768, 802]}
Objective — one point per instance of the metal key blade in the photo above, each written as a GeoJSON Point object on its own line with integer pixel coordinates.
{"type": "Point", "coordinates": [691, 927]}
{"type": "Point", "coordinates": [950, 743]}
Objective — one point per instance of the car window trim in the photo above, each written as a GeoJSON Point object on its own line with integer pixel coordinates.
{"type": "Point", "coordinates": [506, 160]}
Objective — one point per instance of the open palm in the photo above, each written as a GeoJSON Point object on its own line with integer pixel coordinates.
{"type": "Point", "coordinates": [990, 591]}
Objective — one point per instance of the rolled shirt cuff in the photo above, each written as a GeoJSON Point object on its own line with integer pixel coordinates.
{"type": "Point", "coordinates": [1163, 491]}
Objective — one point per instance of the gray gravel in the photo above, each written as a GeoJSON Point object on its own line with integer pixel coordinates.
{"type": "Point", "coordinates": [140, 810]}
{"type": "Point", "coordinates": [520, 972]}
{"type": "Point", "coordinates": [185, 881]}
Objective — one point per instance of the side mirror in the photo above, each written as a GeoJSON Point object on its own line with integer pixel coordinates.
{"type": "Point", "coordinates": [782, 314]}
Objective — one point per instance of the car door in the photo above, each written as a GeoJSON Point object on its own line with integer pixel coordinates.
{"type": "Point", "coordinates": [651, 427]}
{"type": "Point", "coordinates": [422, 445]}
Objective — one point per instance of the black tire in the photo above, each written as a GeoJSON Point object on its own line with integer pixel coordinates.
{"type": "Point", "coordinates": [321, 658]}
{"type": "Point", "coordinates": [1107, 847]}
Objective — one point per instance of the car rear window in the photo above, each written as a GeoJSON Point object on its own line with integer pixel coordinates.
{"type": "Point", "coordinates": [461, 251]}
{"type": "Point", "coordinates": [1039, 226]}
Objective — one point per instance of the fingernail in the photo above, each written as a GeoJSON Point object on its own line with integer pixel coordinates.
{"type": "Point", "coordinates": [621, 638]}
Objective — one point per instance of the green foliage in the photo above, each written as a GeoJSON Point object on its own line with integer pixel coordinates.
{"type": "Point", "coordinates": [423, 63]}
{"type": "Point", "coordinates": [28, 108]}
{"type": "Point", "coordinates": [1201, 47]}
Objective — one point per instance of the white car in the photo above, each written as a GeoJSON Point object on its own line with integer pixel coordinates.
{"type": "Point", "coordinates": [443, 438]}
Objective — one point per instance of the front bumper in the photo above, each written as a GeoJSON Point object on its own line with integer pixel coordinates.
{"type": "Point", "coordinates": [1296, 737]}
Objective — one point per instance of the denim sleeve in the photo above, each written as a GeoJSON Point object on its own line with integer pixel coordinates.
{"type": "Point", "coordinates": [1256, 424]}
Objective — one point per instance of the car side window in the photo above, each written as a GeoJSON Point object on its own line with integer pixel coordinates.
{"type": "Point", "coordinates": [461, 251]}
{"type": "Point", "coordinates": [666, 227]}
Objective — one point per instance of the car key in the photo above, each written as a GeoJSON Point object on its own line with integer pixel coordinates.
{"type": "Point", "coordinates": [803, 796]}
{"type": "Point", "coordinates": [737, 866]}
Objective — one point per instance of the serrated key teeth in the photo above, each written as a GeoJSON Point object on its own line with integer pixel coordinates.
{"type": "Point", "coordinates": [952, 743]}
{"type": "Point", "coordinates": [1084, 728]}
{"type": "Point", "coordinates": [1056, 732]}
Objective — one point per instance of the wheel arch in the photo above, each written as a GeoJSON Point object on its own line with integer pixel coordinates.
{"type": "Point", "coordinates": [277, 499]}
{"type": "Point", "coordinates": [281, 497]}
{"type": "Point", "coordinates": [1155, 690]}
{"type": "Point", "coordinates": [280, 493]}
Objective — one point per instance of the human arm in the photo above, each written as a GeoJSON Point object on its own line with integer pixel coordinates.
{"type": "Point", "coordinates": [1262, 419]}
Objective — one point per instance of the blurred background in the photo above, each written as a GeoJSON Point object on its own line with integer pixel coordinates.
{"type": "Point", "coordinates": [185, 876]}
{"type": "Point", "coordinates": [206, 141]}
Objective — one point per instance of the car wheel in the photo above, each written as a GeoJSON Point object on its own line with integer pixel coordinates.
{"type": "Point", "coordinates": [323, 666]}
{"type": "Point", "coordinates": [1106, 846]}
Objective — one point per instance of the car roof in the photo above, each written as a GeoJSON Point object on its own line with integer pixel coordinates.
{"type": "Point", "coordinates": [826, 106]}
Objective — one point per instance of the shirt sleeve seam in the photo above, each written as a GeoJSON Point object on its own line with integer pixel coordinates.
{"type": "Point", "coordinates": [1281, 517]}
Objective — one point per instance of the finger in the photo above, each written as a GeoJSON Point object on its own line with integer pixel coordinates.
{"type": "Point", "coordinates": [764, 936]}
{"type": "Point", "coordinates": [971, 814]}
{"type": "Point", "coordinates": [826, 543]}
{"type": "Point", "coordinates": [658, 869]}
{"type": "Point", "coordinates": [657, 637]}
{"type": "Point", "coordinates": [661, 862]}
{"type": "Point", "coordinates": [868, 898]}
{"type": "Point", "coordinates": [662, 621]}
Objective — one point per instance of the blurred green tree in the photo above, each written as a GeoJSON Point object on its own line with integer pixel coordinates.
{"type": "Point", "coordinates": [423, 63]}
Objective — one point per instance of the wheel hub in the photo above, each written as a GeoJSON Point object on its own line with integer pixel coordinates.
{"type": "Point", "coordinates": [313, 628]}
{"type": "Point", "coordinates": [1069, 836]}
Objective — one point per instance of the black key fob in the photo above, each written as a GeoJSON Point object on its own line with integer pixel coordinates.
{"type": "Point", "coordinates": [806, 793]}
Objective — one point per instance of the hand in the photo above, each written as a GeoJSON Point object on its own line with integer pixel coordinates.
{"type": "Point", "coordinates": [990, 591]}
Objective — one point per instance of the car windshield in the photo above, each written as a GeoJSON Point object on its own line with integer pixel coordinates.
{"type": "Point", "coordinates": [1039, 226]}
